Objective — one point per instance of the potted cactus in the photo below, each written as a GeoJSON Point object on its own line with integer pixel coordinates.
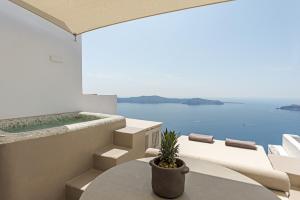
{"type": "Point", "coordinates": [168, 171]}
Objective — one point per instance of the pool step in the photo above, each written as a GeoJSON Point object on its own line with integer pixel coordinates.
{"type": "Point", "coordinates": [111, 156]}
{"type": "Point", "coordinates": [76, 186]}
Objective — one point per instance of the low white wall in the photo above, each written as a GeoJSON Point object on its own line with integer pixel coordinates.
{"type": "Point", "coordinates": [291, 145]}
{"type": "Point", "coordinates": [100, 103]}
{"type": "Point", "coordinates": [40, 67]}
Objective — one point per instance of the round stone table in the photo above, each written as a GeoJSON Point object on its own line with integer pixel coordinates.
{"type": "Point", "coordinates": [205, 181]}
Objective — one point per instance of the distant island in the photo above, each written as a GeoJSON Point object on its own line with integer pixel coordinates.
{"type": "Point", "coordinates": [292, 107]}
{"type": "Point", "coordinates": [159, 99]}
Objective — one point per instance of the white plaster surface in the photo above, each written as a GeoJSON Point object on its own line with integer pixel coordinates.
{"type": "Point", "coordinates": [291, 144]}
{"type": "Point", "coordinates": [41, 68]}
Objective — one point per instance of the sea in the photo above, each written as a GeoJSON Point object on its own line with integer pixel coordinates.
{"type": "Point", "coordinates": [255, 120]}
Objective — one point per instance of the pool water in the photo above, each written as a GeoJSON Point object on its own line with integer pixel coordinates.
{"type": "Point", "coordinates": [49, 123]}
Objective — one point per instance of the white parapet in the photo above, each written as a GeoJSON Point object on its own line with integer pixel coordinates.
{"type": "Point", "coordinates": [291, 144]}
{"type": "Point", "coordinates": [277, 150]}
{"type": "Point", "coordinates": [99, 103]}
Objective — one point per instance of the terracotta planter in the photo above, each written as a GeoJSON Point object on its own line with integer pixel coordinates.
{"type": "Point", "coordinates": [168, 182]}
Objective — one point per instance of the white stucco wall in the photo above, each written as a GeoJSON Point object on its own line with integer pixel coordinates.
{"type": "Point", "coordinates": [291, 145]}
{"type": "Point", "coordinates": [40, 67]}
{"type": "Point", "coordinates": [100, 103]}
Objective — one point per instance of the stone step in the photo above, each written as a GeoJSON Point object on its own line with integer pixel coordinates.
{"type": "Point", "coordinates": [76, 186]}
{"type": "Point", "coordinates": [126, 136]}
{"type": "Point", "coordinates": [110, 156]}
{"type": "Point", "coordinates": [149, 130]}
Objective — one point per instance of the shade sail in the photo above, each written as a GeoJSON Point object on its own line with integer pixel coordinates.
{"type": "Point", "coordinates": [79, 16]}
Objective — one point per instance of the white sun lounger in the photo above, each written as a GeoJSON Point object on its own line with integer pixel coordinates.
{"type": "Point", "coordinates": [252, 163]}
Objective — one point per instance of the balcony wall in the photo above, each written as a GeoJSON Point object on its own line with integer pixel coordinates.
{"type": "Point", "coordinates": [100, 103]}
{"type": "Point", "coordinates": [40, 68]}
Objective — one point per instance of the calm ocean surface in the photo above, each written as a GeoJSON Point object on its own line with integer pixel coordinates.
{"type": "Point", "coordinates": [254, 120]}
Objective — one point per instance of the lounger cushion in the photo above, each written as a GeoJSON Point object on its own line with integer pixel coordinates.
{"type": "Point", "coordinates": [201, 138]}
{"type": "Point", "coordinates": [254, 164]}
{"type": "Point", "coordinates": [241, 144]}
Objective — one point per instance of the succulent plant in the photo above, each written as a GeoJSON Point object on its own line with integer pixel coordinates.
{"type": "Point", "coordinates": [169, 149]}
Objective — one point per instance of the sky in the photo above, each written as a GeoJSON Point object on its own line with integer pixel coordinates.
{"type": "Point", "coordinates": [240, 49]}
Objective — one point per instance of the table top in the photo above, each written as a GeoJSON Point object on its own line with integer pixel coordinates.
{"type": "Point", "coordinates": [205, 180]}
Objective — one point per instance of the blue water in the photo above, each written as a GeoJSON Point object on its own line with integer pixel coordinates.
{"type": "Point", "coordinates": [254, 120]}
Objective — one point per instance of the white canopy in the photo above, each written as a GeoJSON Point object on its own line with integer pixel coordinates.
{"type": "Point", "coordinates": [79, 16]}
